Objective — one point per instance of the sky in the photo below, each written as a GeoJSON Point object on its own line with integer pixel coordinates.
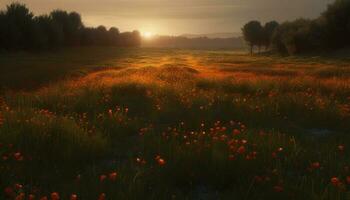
{"type": "Point", "coordinates": [176, 17]}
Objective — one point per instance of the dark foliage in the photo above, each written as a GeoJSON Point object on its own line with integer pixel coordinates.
{"type": "Point", "coordinates": [21, 30]}
{"type": "Point", "coordinates": [330, 31]}
{"type": "Point", "coordinates": [257, 35]}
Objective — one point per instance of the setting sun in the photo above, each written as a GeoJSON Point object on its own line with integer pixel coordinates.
{"type": "Point", "coordinates": [147, 35]}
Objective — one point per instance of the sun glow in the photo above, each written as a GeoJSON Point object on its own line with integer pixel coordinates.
{"type": "Point", "coordinates": [147, 35]}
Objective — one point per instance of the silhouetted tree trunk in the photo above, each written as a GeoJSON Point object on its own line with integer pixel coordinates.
{"type": "Point", "coordinates": [251, 49]}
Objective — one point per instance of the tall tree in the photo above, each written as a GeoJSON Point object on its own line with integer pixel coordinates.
{"type": "Point", "coordinates": [252, 33]}
{"type": "Point", "coordinates": [17, 25]}
{"type": "Point", "coordinates": [269, 30]}
{"type": "Point", "coordinates": [337, 19]}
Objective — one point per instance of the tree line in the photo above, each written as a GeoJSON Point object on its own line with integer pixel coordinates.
{"type": "Point", "coordinates": [21, 30]}
{"type": "Point", "coordinates": [330, 31]}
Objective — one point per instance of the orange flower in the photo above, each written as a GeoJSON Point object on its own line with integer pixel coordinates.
{"type": "Point", "coordinates": [73, 197]}
{"type": "Point", "coordinates": [241, 150]}
{"type": "Point", "coordinates": [113, 176]}
{"type": "Point", "coordinates": [161, 161]}
{"type": "Point", "coordinates": [55, 196]}
{"type": "Point", "coordinates": [102, 196]}
{"type": "Point", "coordinates": [103, 178]}
{"type": "Point", "coordinates": [335, 181]}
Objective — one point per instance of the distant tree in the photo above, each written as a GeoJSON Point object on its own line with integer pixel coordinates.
{"type": "Point", "coordinates": [337, 24]}
{"type": "Point", "coordinates": [53, 31]}
{"type": "Point", "coordinates": [17, 26]}
{"type": "Point", "coordinates": [20, 30]}
{"type": "Point", "coordinates": [297, 37]}
{"type": "Point", "coordinates": [113, 36]}
{"type": "Point", "coordinates": [268, 31]}
{"type": "Point", "coordinates": [71, 25]}
{"type": "Point", "coordinates": [252, 33]}
{"type": "Point", "coordinates": [3, 28]}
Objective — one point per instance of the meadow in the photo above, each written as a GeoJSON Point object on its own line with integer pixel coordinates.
{"type": "Point", "coordinates": [110, 123]}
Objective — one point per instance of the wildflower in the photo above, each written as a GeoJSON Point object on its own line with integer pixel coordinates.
{"type": "Point", "coordinates": [9, 192]}
{"type": "Point", "coordinates": [315, 165]}
{"type": "Point", "coordinates": [241, 150]}
{"type": "Point", "coordinates": [348, 179]}
{"type": "Point", "coordinates": [102, 196]}
{"type": "Point", "coordinates": [280, 149]}
{"type": "Point", "coordinates": [274, 155]}
{"type": "Point", "coordinates": [21, 196]}
{"type": "Point", "coordinates": [31, 197]}
{"type": "Point", "coordinates": [103, 178]}
{"type": "Point", "coordinates": [18, 156]}
{"type": "Point", "coordinates": [73, 197]}
{"type": "Point", "coordinates": [44, 198]}
{"type": "Point", "coordinates": [18, 186]}
{"type": "Point", "coordinates": [55, 196]}
{"type": "Point", "coordinates": [335, 181]}
{"type": "Point", "coordinates": [258, 179]}
{"type": "Point", "coordinates": [113, 176]}
{"type": "Point", "coordinates": [278, 188]}
{"type": "Point", "coordinates": [231, 157]}
{"type": "Point", "coordinates": [341, 148]}
{"type": "Point", "coordinates": [4, 158]}
{"type": "Point", "coordinates": [236, 132]}
{"type": "Point", "coordinates": [161, 161]}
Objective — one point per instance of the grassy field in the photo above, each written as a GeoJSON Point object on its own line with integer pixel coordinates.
{"type": "Point", "coordinates": [106, 123]}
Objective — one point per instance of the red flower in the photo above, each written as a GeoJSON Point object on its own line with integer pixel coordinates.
{"type": "Point", "coordinates": [335, 181]}
{"type": "Point", "coordinates": [315, 165]}
{"type": "Point", "coordinates": [103, 178]}
{"type": "Point", "coordinates": [278, 188]}
{"type": "Point", "coordinates": [18, 156]}
{"type": "Point", "coordinates": [231, 157]}
{"type": "Point", "coordinates": [55, 196]}
{"type": "Point", "coordinates": [112, 176]}
{"type": "Point", "coordinates": [21, 196]}
{"type": "Point", "coordinates": [241, 150]}
{"type": "Point", "coordinates": [341, 147]}
{"type": "Point", "coordinates": [9, 192]}
{"type": "Point", "coordinates": [18, 186]}
{"type": "Point", "coordinates": [102, 196]}
{"type": "Point", "coordinates": [161, 161]}
{"type": "Point", "coordinates": [73, 197]}
{"type": "Point", "coordinates": [348, 179]}
{"type": "Point", "coordinates": [236, 132]}
{"type": "Point", "coordinates": [31, 197]}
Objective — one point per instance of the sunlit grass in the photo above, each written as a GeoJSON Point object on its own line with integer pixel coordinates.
{"type": "Point", "coordinates": [176, 124]}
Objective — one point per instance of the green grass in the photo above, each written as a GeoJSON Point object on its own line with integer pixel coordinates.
{"type": "Point", "coordinates": [174, 124]}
